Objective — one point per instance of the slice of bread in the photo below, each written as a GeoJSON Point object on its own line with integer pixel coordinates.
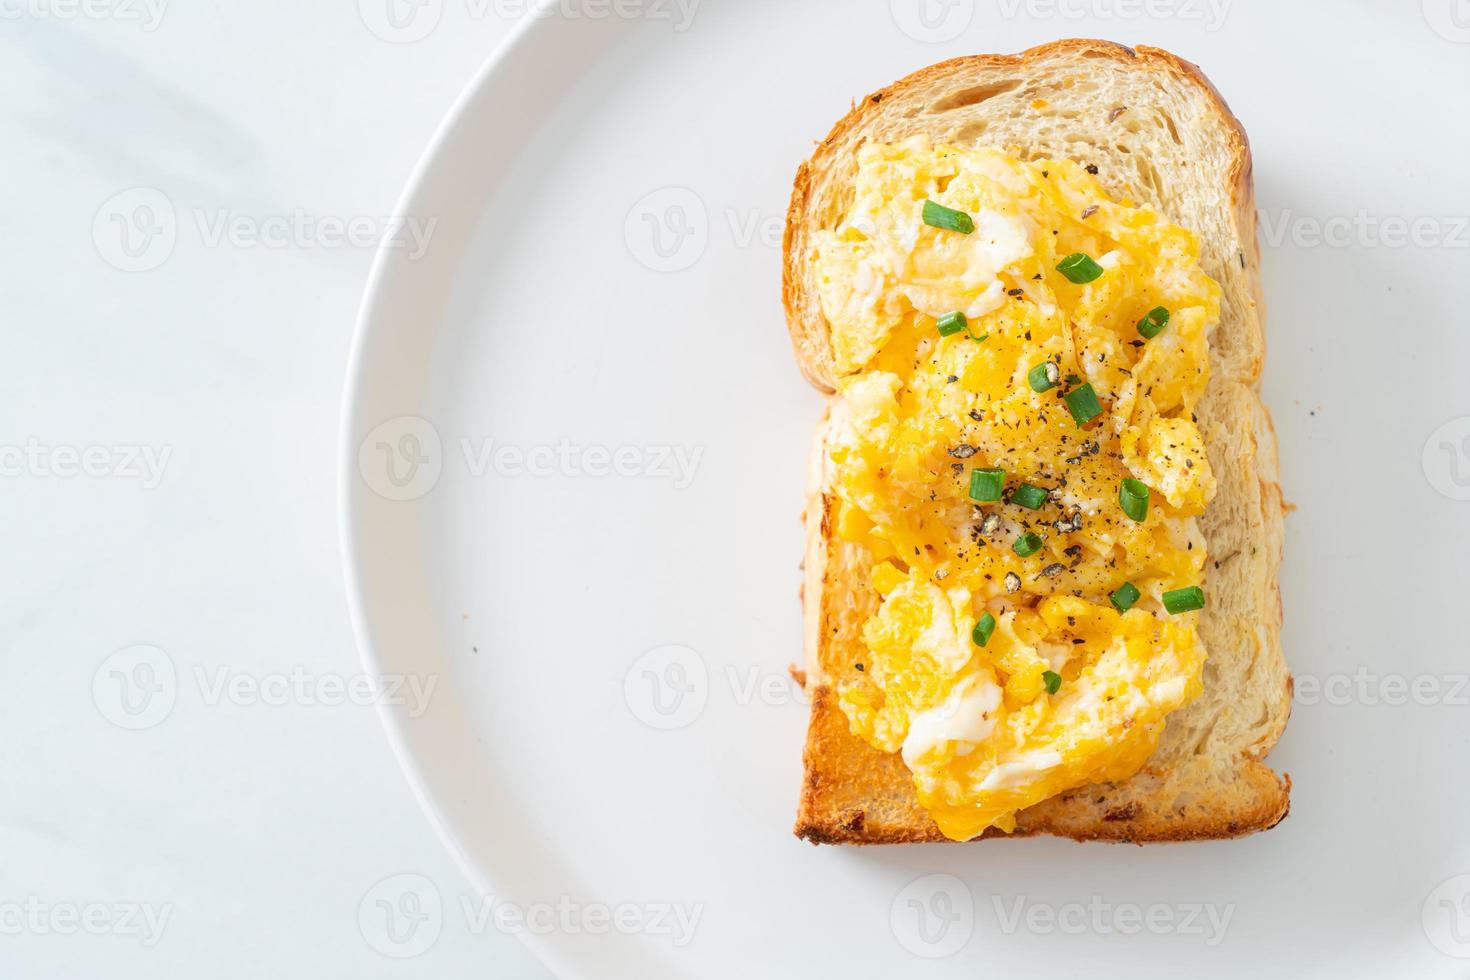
{"type": "Point", "coordinates": [1161, 136]}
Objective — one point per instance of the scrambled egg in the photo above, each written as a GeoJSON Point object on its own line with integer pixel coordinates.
{"type": "Point", "coordinates": [1075, 676]}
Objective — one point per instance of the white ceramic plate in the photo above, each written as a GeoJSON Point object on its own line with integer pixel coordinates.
{"type": "Point", "coordinates": [573, 456]}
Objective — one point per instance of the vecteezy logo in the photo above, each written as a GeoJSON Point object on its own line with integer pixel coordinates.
{"type": "Point", "coordinates": [668, 229]}
{"type": "Point", "coordinates": [934, 916]}
{"type": "Point", "coordinates": [1446, 917]}
{"type": "Point", "coordinates": [932, 21]}
{"type": "Point", "coordinates": [135, 230]}
{"type": "Point", "coordinates": [401, 916]}
{"type": "Point", "coordinates": [1450, 19]}
{"type": "Point", "coordinates": [136, 687]}
{"type": "Point", "coordinates": [402, 458]}
{"type": "Point", "coordinates": [1447, 459]}
{"type": "Point", "coordinates": [667, 687]}
{"type": "Point", "coordinates": [401, 21]}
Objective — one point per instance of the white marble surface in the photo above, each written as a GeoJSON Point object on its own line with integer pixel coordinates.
{"type": "Point", "coordinates": [251, 824]}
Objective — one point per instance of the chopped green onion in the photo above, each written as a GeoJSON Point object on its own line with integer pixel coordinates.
{"type": "Point", "coordinates": [1028, 496]}
{"type": "Point", "coordinates": [1043, 377]}
{"type": "Point", "coordinates": [984, 626]}
{"type": "Point", "coordinates": [1083, 404]}
{"type": "Point", "coordinates": [986, 485]}
{"type": "Point", "coordinates": [1154, 323]}
{"type": "Point", "coordinates": [1052, 680]}
{"type": "Point", "coordinates": [1079, 268]}
{"type": "Point", "coordinates": [1184, 600]}
{"type": "Point", "coordinates": [939, 216]}
{"type": "Point", "coordinates": [1125, 597]}
{"type": "Point", "coordinates": [1133, 498]}
{"type": "Point", "coordinates": [952, 323]}
{"type": "Point", "coordinates": [1027, 544]}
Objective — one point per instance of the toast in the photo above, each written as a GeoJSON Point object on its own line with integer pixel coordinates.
{"type": "Point", "coordinates": [1161, 135]}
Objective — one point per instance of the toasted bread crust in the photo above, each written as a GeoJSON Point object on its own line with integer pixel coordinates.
{"type": "Point", "coordinates": [1206, 780]}
{"type": "Point", "coordinates": [853, 794]}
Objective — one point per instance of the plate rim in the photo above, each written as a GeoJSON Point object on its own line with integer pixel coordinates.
{"type": "Point", "coordinates": [533, 22]}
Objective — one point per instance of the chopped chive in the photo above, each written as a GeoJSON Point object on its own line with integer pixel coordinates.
{"type": "Point", "coordinates": [1083, 404]}
{"type": "Point", "coordinates": [986, 485]}
{"type": "Point", "coordinates": [1133, 498]}
{"type": "Point", "coordinates": [1027, 544]}
{"type": "Point", "coordinates": [1052, 680]}
{"type": "Point", "coordinates": [939, 216]}
{"type": "Point", "coordinates": [1125, 597]}
{"type": "Point", "coordinates": [984, 626]}
{"type": "Point", "coordinates": [1043, 377]}
{"type": "Point", "coordinates": [1184, 600]}
{"type": "Point", "coordinates": [1154, 323]}
{"type": "Point", "coordinates": [952, 323]}
{"type": "Point", "coordinates": [1029, 496]}
{"type": "Point", "coordinates": [1079, 268]}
